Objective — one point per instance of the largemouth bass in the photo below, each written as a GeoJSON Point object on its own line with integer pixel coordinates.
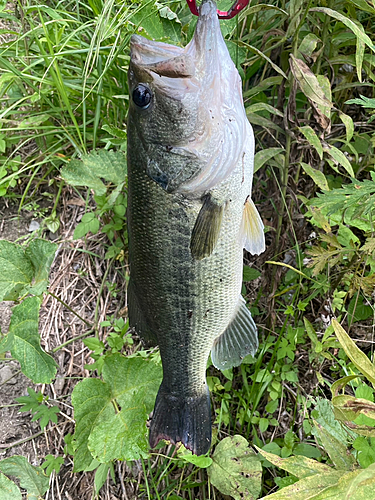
{"type": "Point", "coordinates": [190, 167]}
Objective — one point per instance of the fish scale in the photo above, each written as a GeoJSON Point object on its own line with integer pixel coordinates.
{"type": "Point", "coordinates": [186, 244]}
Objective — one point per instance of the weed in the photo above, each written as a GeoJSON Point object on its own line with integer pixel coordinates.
{"type": "Point", "coordinates": [308, 89]}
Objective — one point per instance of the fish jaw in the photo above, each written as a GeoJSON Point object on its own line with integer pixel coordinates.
{"type": "Point", "coordinates": [196, 125]}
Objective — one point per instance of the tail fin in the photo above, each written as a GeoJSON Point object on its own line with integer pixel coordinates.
{"type": "Point", "coordinates": [179, 418]}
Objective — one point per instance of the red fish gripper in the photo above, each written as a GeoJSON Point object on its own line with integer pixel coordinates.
{"type": "Point", "coordinates": [233, 11]}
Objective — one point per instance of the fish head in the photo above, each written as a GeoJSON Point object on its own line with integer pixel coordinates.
{"type": "Point", "coordinates": [186, 116]}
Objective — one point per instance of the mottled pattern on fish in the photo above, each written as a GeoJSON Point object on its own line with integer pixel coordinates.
{"type": "Point", "coordinates": [183, 296]}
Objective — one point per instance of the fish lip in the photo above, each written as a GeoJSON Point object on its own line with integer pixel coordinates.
{"type": "Point", "coordinates": [160, 58]}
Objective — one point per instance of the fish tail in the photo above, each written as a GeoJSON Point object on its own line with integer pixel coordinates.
{"type": "Point", "coordinates": [181, 418]}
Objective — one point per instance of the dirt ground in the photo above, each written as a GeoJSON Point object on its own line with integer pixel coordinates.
{"type": "Point", "coordinates": [75, 279]}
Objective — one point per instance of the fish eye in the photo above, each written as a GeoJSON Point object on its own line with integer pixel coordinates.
{"type": "Point", "coordinates": [142, 96]}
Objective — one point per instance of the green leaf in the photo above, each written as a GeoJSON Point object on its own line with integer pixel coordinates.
{"type": "Point", "coordinates": [366, 453]}
{"type": "Point", "coordinates": [310, 332]}
{"type": "Point", "coordinates": [358, 485]}
{"type": "Point", "coordinates": [308, 45]}
{"type": "Point", "coordinates": [366, 102]}
{"type": "Point", "coordinates": [338, 385]}
{"type": "Point", "coordinates": [263, 85]}
{"type": "Point", "coordinates": [326, 419]}
{"type": "Point", "coordinates": [325, 85]}
{"type": "Point", "coordinates": [111, 415]}
{"type": "Point", "coordinates": [356, 29]}
{"type": "Point", "coordinates": [264, 156]}
{"type": "Point", "coordinates": [94, 166]}
{"type": "Point", "coordinates": [307, 450]}
{"type": "Point", "coordinates": [299, 466]}
{"type": "Point", "coordinates": [89, 224]}
{"type": "Point", "coordinates": [16, 271]}
{"type": "Point", "coordinates": [134, 384]}
{"type": "Point", "coordinates": [363, 5]}
{"type": "Point", "coordinates": [339, 157]}
{"type": "Point", "coordinates": [263, 106]}
{"type": "Point", "coordinates": [317, 176]}
{"type": "Point", "coordinates": [31, 478]}
{"type": "Point", "coordinates": [236, 470]}
{"type": "Point", "coordinates": [263, 424]}
{"type": "Point", "coordinates": [349, 408]}
{"type": "Point", "coordinates": [94, 344]}
{"type": "Point", "coordinates": [148, 18]}
{"type": "Point", "coordinates": [266, 58]}
{"type": "Point", "coordinates": [336, 450]}
{"type": "Point", "coordinates": [200, 461]}
{"type": "Point", "coordinates": [313, 139]}
{"type": "Point", "coordinates": [9, 490]}
{"type": "Point", "coordinates": [311, 487]}
{"type": "Point", "coordinates": [89, 398]}
{"type": "Point", "coordinates": [30, 402]}
{"type": "Point", "coordinates": [256, 119]}
{"type": "Point", "coordinates": [359, 358]}
{"type": "Point", "coordinates": [32, 121]}
{"type": "Point", "coordinates": [319, 218]}
{"type": "Point", "coordinates": [261, 7]}
{"type": "Point", "coordinates": [349, 125]}
{"type": "Point", "coordinates": [354, 200]}
{"type": "Point", "coordinates": [357, 310]}
{"type": "Point", "coordinates": [363, 485]}
{"type": "Point", "coordinates": [35, 363]}
{"type": "Point", "coordinates": [101, 475]}
{"type": "Point", "coordinates": [46, 414]}
{"type": "Point", "coordinates": [115, 131]}
{"type": "Point", "coordinates": [364, 391]}
{"type": "Point", "coordinates": [52, 463]}
{"type": "Point", "coordinates": [41, 254]}
{"type": "Point", "coordinates": [309, 83]}
{"type": "Point", "coordinates": [250, 274]}
{"type": "Point", "coordinates": [166, 12]}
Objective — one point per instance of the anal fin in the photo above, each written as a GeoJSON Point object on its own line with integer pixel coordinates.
{"type": "Point", "coordinates": [252, 229]}
{"type": "Point", "coordinates": [206, 228]}
{"type": "Point", "coordinates": [238, 340]}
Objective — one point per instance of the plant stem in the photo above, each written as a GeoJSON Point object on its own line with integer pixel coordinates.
{"type": "Point", "coordinates": [70, 309]}
{"type": "Point", "coordinates": [58, 196]}
{"type": "Point", "coordinates": [327, 21]}
{"type": "Point", "coordinates": [25, 440]}
{"type": "Point", "coordinates": [98, 300]}
{"type": "Point", "coordinates": [73, 340]}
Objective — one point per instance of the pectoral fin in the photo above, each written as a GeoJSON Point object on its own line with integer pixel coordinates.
{"type": "Point", "coordinates": [252, 229]}
{"type": "Point", "coordinates": [238, 340]}
{"type": "Point", "coordinates": [206, 229]}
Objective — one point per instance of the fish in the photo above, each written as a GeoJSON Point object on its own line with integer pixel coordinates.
{"type": "Point", "coordinates": [190, 156]}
